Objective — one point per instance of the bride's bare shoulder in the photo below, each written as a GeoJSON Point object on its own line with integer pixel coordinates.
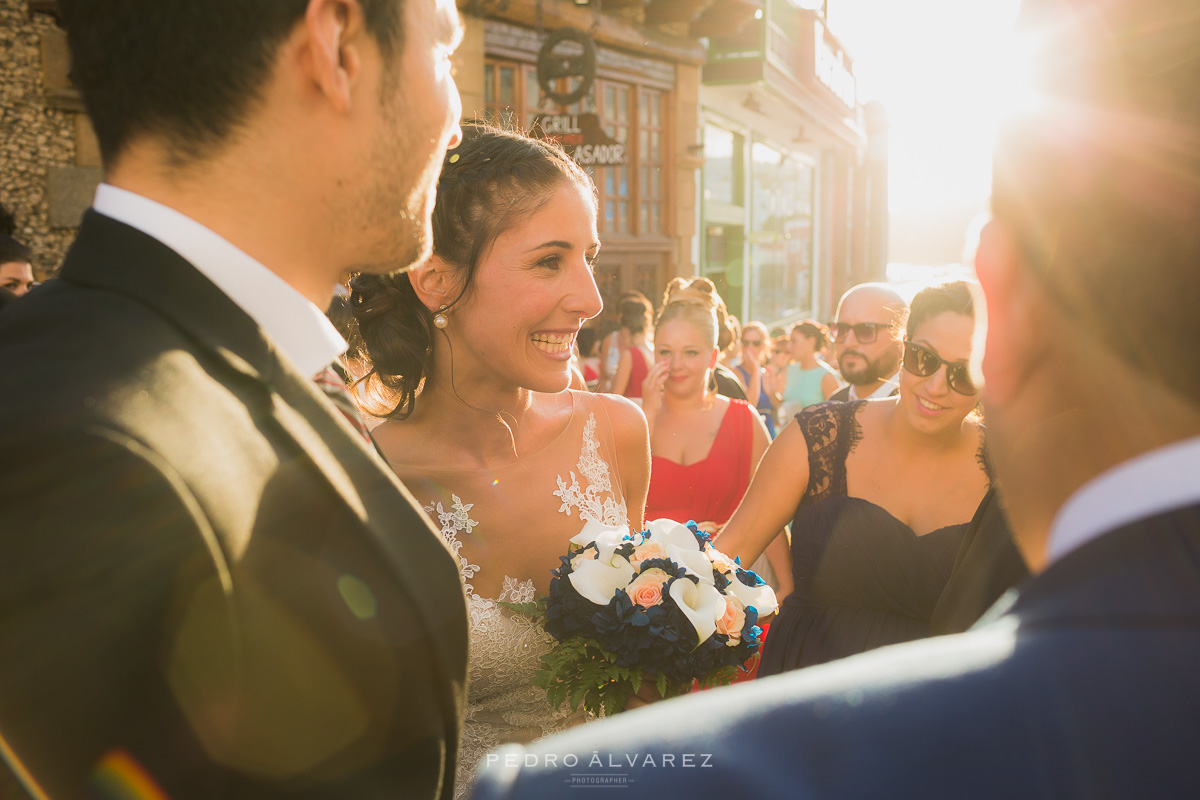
{"type": "Point", "coordinates": [401, 442]}
{"type": "Point", "coordinates": [625, 416]}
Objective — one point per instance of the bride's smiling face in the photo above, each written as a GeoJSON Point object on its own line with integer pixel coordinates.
{"type": "Point", "coordinates": [531, 294]}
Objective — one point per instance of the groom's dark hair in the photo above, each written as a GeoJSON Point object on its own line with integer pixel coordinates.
{"type": "Point", "coordinates": [186, 70]}
{"type": "Point", "coordinates": [1100, 178]}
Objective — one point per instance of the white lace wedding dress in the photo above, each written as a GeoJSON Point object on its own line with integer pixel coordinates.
{"type": "Point", "coordinates": [503, 705]}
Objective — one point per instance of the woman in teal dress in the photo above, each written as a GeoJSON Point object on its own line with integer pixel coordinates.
{"type": "Point", "coordinates": [807, 380]}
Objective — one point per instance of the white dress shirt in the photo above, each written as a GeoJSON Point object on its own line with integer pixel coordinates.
{"type": "Point", "coordinates": [301, 331]}
{"type": "Point", "coordinates": [885, 390]}
{"type": "Point", "coordinates": [1161, 480]}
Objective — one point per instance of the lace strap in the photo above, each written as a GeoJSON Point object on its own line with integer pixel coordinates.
{"type": "Point", "coordinates": [609, 444]}
{"type": "Point", "coordinates": [983, 456]}
{"type": "Point", "coordinates": [598, 497]}
{"type": "Point", "coordinates": [831, 430]}
{"type": "Point", "coordinates": [451, 523]}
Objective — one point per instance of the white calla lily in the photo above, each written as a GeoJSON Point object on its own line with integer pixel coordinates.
{"type": "Point", "coordinates": [592, 531]}
{"type": "Point", "coordinates": [670, 532]}
{"type": "Point", "coordinates": [701, 603]}
{"type": "Point", "coordinates": [761, 597]}
{"type": "Point", "coordinates": [694, 561]}
{"type": "Point", "coordinates": [607, 538]}
{"type": "Point", "coordinates": [598, 580]}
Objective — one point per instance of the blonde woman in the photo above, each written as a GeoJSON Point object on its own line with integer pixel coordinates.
{"type": "Point", "coordinates": [704, 447]}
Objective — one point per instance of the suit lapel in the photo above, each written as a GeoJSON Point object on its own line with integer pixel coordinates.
{"type": "Point", "coordinates": [111, 256]}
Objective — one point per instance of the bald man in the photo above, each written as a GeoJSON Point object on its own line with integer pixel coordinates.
{"type": "Point", "coordinates": [870, 320]}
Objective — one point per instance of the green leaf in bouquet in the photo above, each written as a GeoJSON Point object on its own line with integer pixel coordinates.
{"type": "Point", "coordinates": [535, 610]}
{"type": "Point", "coordinates": [721, 676]}
{"type": "Point", "coordinates": [578, 671]}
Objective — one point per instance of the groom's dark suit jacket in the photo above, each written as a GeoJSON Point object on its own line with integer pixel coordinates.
{"type": "Point", "coordinates": [1086, 688]}
{"type": "Point", "coordinates": [205, 575]}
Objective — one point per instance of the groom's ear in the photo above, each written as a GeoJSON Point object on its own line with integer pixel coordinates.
{"type": "Point", "coordinates": [1017, 323]}
{"type": "Point", "coordinates": [435, 282]}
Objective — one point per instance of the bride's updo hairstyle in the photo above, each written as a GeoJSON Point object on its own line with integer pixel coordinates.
{"type": "Point", "coordinates": [490, 183]}
{"type": "Point", "coordinates": [695, 301]}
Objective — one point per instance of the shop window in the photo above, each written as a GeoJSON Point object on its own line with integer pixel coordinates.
{"type": "Point", "coordinates": [616, 193]}
{"type": "Point", "coordinates": [650, 160]}
{"type": "Point", "coordinates": [781, 234]}
{"type": "Point", "coordinates": [632, 197]}
{"type": "Point", "coordinates": [510, 93]}
{"type": "Point", "coordinates": [723, 158]}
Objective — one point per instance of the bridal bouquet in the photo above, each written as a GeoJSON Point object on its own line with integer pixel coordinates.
{"type": "Point", "coordinates": [661, 602]}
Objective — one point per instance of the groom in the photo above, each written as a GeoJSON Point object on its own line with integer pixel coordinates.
{"type": "Point", "coordinates": [210, 587]}
{"type": "Point", "coordinates": [1084, 684]}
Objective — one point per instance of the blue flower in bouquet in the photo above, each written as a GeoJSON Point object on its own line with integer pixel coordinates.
{"type": "Point", "coordinates": [750, 629]}
{"type": "Point", "coordinates": [749, 578]}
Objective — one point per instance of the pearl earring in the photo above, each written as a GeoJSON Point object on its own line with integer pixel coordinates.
{"type": "Point", "coordinates": [439, 320]}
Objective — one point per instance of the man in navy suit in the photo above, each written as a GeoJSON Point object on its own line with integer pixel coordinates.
{"type": "Point", "coordinates": [1083, 684]}
{"type": "Point", "coordinates": [210, 585]}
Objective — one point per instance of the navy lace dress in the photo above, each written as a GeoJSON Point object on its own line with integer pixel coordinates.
{"type": "Point", "coordinates": [864, 579]}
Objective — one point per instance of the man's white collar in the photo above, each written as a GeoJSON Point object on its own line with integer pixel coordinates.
{"type": "Point", "coordinates": [1152, 483]}
{"type": "Point", "coordinates": [301, 331]}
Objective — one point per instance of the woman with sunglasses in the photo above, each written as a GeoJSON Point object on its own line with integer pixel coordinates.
{"type": "Point", "coordinates": [759, 381]}
{"type": "Point", "coordinates": [879, 494]}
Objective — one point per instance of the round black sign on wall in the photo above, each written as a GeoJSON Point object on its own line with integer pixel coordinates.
{"type": "Point", "coordinates": [551, 67]}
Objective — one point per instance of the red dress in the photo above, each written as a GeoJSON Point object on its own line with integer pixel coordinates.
{"type": "Point", "coordinates": [709, 490]}
{"type": "Point", "coordinates": [638, 370]}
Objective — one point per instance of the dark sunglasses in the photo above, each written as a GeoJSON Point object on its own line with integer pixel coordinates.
{"type": "Point", "coordinates": [923, 362]}
{"type": "Point", "coordinates": [865, 332]}
{"type": "Point", "coordinates": [752, 342]}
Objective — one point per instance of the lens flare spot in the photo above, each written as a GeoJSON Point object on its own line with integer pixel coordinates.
{"type": "Point", "coordinates": [358, 597]}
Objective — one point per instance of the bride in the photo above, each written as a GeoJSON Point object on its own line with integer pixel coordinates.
{"type": "Point", "coordinates": [470, 355]}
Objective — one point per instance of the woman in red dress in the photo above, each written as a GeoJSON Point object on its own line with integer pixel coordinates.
{"type": "Point", "coordinates": [704, 447]}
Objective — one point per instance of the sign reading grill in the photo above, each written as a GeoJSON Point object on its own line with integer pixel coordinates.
{"type": "Point", "coordinates": [581, 136]}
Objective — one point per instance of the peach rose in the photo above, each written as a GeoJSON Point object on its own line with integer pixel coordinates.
{"type": "Point", "coordinates": [721, 561]}
{"type": "Point", "coordinates": [733, 619]}
{"type": "Point", "coordinates": [647, 551]}
{"type": "Point", "coordinates": [647, 589]}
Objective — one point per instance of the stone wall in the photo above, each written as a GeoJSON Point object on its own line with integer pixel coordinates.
{"type": "Point", "coordinates": [46, 180]}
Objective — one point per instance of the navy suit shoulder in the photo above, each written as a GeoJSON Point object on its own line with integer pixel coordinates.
{"type": "Point", "coordinates": [1049, 700]}
{"type": "Point", "coordinates": [200, 566]}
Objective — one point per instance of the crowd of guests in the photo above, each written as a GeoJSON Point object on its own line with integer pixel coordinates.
{"type": "Point", "coordinates": [906, 430]}
{"type": "Point", "coordinates": [233, 564]}
{"type": "Point", "coordinates": [854, 509]}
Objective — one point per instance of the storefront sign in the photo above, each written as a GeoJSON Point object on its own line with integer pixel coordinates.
{"type": "Point", "coordinates": [555, 62]}
{"type": "Point", "coordinates": [830, 68]}
{"type": "Point", "coordinates": [581, 136]}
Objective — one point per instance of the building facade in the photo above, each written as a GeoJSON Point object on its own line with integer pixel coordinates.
{"type": "Point", "coordinates": [744, 155]}
{"type": "Point", "coordinates": [794, 183]}
{"type": "Point", "coordinates": [49, 159]}
{"type": "Point", "coordinates": [645, 96]}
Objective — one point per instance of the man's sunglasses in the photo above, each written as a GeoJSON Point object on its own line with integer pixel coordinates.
{"type": "Point", "coordinates": [923, 362]}
{"type": "Point", "coordinates": [865, 332]}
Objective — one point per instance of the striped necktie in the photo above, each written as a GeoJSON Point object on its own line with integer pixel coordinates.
{"type": "Point", "coordinates": [331, 384]}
